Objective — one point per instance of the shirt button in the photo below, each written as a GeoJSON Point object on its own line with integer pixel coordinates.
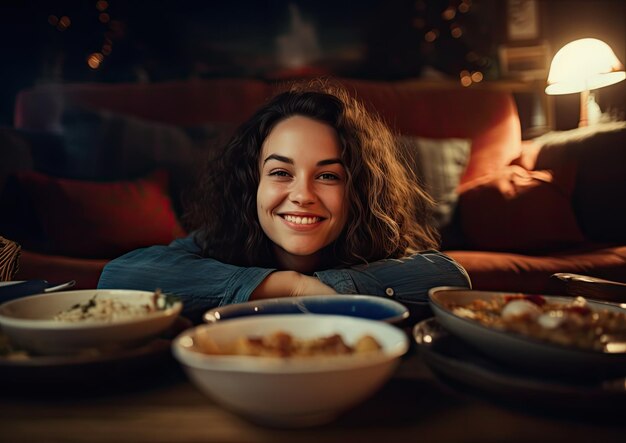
{"type": "Point", "coordinates": [389, 292]}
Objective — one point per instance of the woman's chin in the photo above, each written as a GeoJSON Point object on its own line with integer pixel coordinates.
{"type": "Point", "coordinates": [301, 259]}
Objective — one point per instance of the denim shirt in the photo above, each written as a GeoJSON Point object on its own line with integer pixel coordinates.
{"type": "Point", "coordinates": [204, 283]}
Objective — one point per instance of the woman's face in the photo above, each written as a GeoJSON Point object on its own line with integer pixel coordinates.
{"type": "Point", "coordinates": [301, 199]}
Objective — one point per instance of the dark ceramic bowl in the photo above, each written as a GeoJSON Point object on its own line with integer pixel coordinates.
{"type": "Point", "coordinates": [362, 306]}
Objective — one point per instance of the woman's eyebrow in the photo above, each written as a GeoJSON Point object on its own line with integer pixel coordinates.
{"type": "Point", "coordinates": [330, 161]}
{"type": "Point", "coordinates": [280, 158]}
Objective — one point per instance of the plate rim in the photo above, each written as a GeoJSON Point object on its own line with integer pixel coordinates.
{"type": "Point", "coordinates": [501, 376]}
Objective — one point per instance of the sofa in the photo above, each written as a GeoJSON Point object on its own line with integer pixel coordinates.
{"type": "Point", "coordinates": [90, 171]}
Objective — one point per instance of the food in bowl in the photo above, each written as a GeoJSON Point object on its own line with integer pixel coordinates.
{"type": "Point", "coordinates": [284, 345]}
{"type": "Point", "coordinates": [570, 323]}
{"type": "Point", "coordinates": [98, 309]}
{"type": "Point", "coordinates": [30, 324]}
{"type": "Point", "coordinates": [303, 391]}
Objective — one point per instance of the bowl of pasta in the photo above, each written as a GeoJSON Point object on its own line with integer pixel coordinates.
{"type": "Point", "coordinates": [290, 370]}
{"type": "Point", "coordinates": [91, 320]}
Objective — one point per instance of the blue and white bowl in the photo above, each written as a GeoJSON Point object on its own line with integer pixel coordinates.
{"type": "Point", "coordinates": [362, 306]}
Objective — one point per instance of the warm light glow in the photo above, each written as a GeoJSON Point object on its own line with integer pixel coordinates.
{"type": "Point", "coordinates": [456, 32]}
{"type": "Point", "coordinates": [64, 23]}
{"type": "Point", "coordinates": [464, 7]}
{"type": "Point", "coordinates": [106, 49]}
{"type": "Point", "coordinates": [448, 14]}
{"type": "Point", "coordinates": [94, 60]}
{"type": "Point", "coordinates": [583, 65]}
{"type": "Point", "coordinates": [104, 17]}
{"type": "Point", "coordinates": [477, 76]}
{"type": "Point", "coordinates": [102, 5]}
{"type": "Point", "coordinates": [430, 36]}
{"type": "Point", "coordinates": [53, 20]}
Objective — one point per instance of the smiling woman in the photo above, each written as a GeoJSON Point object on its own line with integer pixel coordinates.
{"type": "Point", "coordinates": [301, 199]}
{"type": "Point", "coordinates": [309, 197]}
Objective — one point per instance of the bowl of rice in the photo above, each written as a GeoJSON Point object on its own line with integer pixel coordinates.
{"type": "Point", "coordinates": [86, 320]}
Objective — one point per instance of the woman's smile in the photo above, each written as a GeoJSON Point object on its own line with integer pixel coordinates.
{"type": "Point", "coordinates": [302, 220]}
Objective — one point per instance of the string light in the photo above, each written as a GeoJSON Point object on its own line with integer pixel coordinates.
{"type": "Point", "coordinates": [95, 60]}
{"type": "Point", "coordinates": [431, 36]}
{"type": "Point", "coordinates": [464, 7]}
{"type": "Point", "coordinates": [440, 23]}
{"type": "Point", "coordinates": [102, 5]}
{"type": "Point", "coordinates": [477, 77]}
{"type": "Point", "coordinates": [466, 80]}
{"type": "Point", "coordinates": [448, 14]}
{"type": "Point", "coordinates": [61, 24]}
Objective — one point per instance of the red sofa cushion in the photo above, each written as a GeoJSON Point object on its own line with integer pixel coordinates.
{"type": "Point", "coordinates": [506, 271]}
{"type": "Point", "coordinates": [101, 219]}
{"type": "Point", "coordinates": [519, 210]}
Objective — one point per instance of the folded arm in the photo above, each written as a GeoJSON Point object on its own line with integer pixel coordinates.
{"type": "Point", "coordinates": [404, 279]}
{"type": "Point", "coordinates": [204, 283]}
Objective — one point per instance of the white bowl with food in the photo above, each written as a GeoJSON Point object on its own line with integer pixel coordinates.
{"type": "Point", "coordinates": [86, 320]}
{"type": "Point", "coordinates": [290, 370]}
{"type": "Point", "coordinates": [551, 335]}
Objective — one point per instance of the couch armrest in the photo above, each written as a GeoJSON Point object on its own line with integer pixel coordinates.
{"type": "Point", "coordinates": [591, 287]}
{"type": "Point", "coordinates": [56, 269]}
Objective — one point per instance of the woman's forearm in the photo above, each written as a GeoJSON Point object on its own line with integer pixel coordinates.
{"type": "Point", "coordinates": [290, 284]}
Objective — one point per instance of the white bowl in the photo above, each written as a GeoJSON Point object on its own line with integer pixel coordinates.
{"type": "Point", "coordinates": [291, 392]}
{"type": "Point", "coordinates": [28, 322]}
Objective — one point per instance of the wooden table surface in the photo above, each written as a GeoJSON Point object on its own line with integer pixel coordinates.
{"type": "Point", "coordinates": [414, 405]}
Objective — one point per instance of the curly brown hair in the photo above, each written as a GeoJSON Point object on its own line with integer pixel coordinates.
{"type": "Point", "coordinates": [389, 214]}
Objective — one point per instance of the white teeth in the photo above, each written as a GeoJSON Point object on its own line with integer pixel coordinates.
{"type": "Point", "coordinates": [301, 220]}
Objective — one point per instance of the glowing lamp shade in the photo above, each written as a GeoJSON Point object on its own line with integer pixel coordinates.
{"type": "Point", "coordinates": [583, 65]}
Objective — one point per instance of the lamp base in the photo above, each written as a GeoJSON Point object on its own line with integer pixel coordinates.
{"type": "Point", "coordinates": [590, 112]}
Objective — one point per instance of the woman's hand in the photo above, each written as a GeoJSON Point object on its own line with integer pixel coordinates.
{"type": "Point", "coordinates": [290, 284]}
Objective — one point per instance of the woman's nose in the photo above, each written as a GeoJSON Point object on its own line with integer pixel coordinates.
{"type": "Point", "coordinates": [302, 192]}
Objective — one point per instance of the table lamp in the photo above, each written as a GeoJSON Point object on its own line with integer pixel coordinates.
{"type": "Point", "coordinates": [581, 66]}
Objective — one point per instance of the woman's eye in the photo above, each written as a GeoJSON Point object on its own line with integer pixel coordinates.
{"type": "Point", "coordinates": [279, 173]}
{"type": "Point", "coordinates": [329, 176]}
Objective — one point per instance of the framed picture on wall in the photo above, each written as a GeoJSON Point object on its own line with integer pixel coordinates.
{"type": "Point", "coordinates": [522, 20]}
{"type": "Point", "coordinates": [524, 62]}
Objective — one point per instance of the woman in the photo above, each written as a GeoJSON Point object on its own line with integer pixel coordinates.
{"type": "Point", "coordinates": [310, 196]}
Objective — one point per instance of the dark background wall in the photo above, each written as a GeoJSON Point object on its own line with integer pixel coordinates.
{"type": "Point", "coordinates": [378, 39]}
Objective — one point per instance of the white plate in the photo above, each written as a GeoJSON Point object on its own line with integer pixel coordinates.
{"type": "Point", "coordinates": [522, 351]}
{"type": "Point", "coordinates": [29, 325]}
{"type": "Point", "coordinates": [455, 361]}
